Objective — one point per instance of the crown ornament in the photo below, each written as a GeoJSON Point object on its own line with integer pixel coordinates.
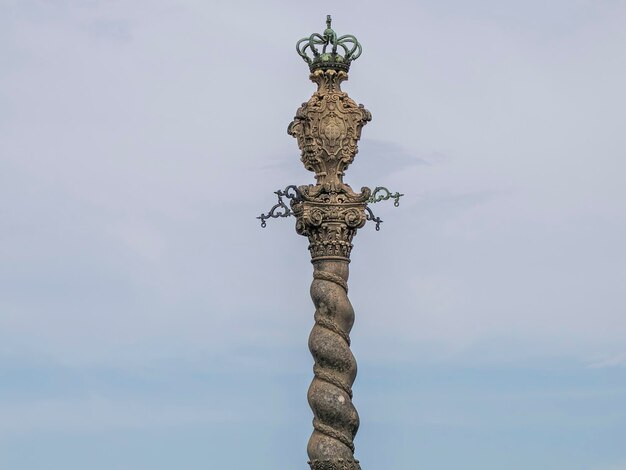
{"type": "Point", "coordinates": [329, 57]}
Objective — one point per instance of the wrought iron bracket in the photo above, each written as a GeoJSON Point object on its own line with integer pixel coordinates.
{"type": "Point", "coordinates": [281, 209]}
{"type": "Point", "coordinates": [380, 194]}
{"type": "Point", "coordinates": [370, 216]}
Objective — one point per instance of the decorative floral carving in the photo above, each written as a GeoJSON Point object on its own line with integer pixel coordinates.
{"type": "Point", "coordinates": [328, 127]}
{"type": "Point", "coordinates": [329, 215]}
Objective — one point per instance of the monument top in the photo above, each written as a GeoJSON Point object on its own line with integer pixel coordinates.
{"type": "Point", "coordinates": [329, 59]}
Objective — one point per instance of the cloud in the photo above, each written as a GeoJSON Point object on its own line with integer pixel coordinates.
{"type": "Point", "coordinates": [138, 293]}
{"type": "Point", "coordinates": [615, 466]}
{"type": "Point", "coordinates": [99, 413]}
{"type": "Point", "coordinates": [132, 176]}
{"type": "Point", "coordinates": [618, 360]}
{"type": "Point", "coordinates": [112, 30]}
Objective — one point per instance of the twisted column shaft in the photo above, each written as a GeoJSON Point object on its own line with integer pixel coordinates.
{"type": "Point", "coordinates": [336, 420]}
{"type": "Point", "coordinates": [329, 213]}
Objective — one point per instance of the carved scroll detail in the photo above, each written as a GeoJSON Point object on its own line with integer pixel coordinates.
{"type": "Point", "coordinates": [328, 127]}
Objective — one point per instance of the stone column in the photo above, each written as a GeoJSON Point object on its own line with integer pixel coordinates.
{"type": "Point", "coordinates": [328, 128]}
{"type": "Point", "coordinates": [329, 213]}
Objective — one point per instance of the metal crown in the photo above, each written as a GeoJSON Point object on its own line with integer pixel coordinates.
{"type": "Point", "coordinates": [333, 59]}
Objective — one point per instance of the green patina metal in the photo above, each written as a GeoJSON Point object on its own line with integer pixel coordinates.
{"type": "Point", "coordinates": [382, 194]}
{"type": "Point", "coordinates": [329, 60]}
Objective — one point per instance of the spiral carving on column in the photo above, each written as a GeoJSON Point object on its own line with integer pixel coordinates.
{"type": "Point", "coordinates": [336, 421]}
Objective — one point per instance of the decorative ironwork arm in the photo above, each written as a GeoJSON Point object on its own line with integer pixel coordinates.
{"type": "Point", "coordinates": [281, 209]}
{"type": "Point", "coordinates": [382, 194]}
{"type": "Point", "coordinates": [370, 216]}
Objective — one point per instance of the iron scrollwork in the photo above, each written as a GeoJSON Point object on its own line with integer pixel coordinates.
{"type": "Point", "coordinates": [281, 209]}
{"type": "Point", "coordinates": [382, 194]}
{"type": "Point", "coordinates": [370, 216]}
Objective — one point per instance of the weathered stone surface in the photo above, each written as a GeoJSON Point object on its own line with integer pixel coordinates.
{"type": "Point", "coordinates": [329, 213]}
{"type": "Point", "coordinates": [328, 127]}
{"type": "Point", "coordinates": [337, 464]}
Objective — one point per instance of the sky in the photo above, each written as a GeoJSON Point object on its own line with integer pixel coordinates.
{"type": "Point", "coordinates": [148, 322]}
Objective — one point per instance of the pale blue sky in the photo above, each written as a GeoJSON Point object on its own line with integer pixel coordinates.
{"type": "Point", "coordinates": [147, 322]}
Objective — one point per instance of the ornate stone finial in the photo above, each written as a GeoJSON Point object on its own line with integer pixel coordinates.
{"type": "Point", "coordinates": [333, 59]}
